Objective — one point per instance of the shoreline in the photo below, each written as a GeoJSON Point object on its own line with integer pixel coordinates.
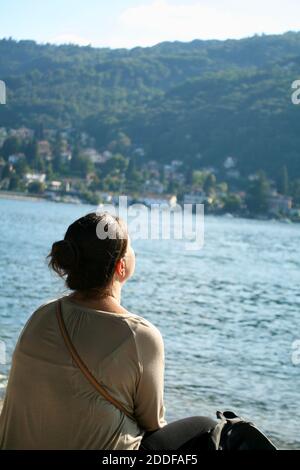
{"type": "Point", "coordinates": [21, 196]}
{"type": "Point", "coordinates": [38, 198]}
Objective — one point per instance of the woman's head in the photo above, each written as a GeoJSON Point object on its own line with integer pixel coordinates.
{"type": "Point", "coordinates": [95, 253]}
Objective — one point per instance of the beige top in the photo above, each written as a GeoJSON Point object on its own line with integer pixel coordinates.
{"type": "Point", "coordinates": [49, 404]}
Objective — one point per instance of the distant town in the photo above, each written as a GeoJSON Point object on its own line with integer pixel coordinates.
{"type": "Point", "coordinates": [65, 166]}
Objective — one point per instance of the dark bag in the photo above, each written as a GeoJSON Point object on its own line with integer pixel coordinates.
{"type": "Point", "coordinates": [235, 433]}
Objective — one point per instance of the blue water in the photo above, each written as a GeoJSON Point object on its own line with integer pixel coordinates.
{"type": "Point", "coordinates": [228, 313]}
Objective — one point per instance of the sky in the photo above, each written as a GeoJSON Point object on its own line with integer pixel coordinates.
{"type": "Point", "coordinates": [131, 23]}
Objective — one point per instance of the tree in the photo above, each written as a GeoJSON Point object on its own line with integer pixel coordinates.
{"type": "Point", "coordinates": [75, 159]}
{"type": "Point", "coordinates": [134, 178]}
{"type": "Point", "coordinates": [173, 187]}
{"type": "Point", "coordinates": [223, 187]}
{"type": "Point", "coordinates": [21, 167]}
{"type": "Point", "coordinates": [49, 171]}
{"type": "Point", "coordinates": [115, 165]}
{"type": "Point", "coordinates": [36, 187]}
{"type": "Point", "coordinates": [14, 183]}
{"type": "Point", "coordinates": [11, 146]}
{"type": "Point", "coordinates": [39, 164]}
{"type": "Point", "coordinates": [57, 150]}
{"type": "Point", "coordinates": [90, 197]}
{"type": "Point", "coordinates": [80, 165]}
{"type": "Point", "coordinates": [198, 178]}
{"type": "Point", "coordinates": [232, 203]}
{"type": "Point", "coordinates": [7, 171]}
{"type": "Point", "coordinates": [40, 129]}
{"type": "Point", "coordinates": [283, 183]}
{"type": "Point", "coordinates": [210, 183]}
{"type": "Point", "coordinates": [123, 143]}
{"type": "Point", "coordinates": [257, 197]}
{"type": "Point", "coordinates": [112, 183]}
{"type": "Point", "coordinates": [31, 152]}
{"type": "Point", "coordinates": [295, 191]}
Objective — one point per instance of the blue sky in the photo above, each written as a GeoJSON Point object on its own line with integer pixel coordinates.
{"type": "Point", "coordinates": [130, 23]}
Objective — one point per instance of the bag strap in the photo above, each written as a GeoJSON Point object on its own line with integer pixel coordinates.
{"type": "Point", "coordinates": [89, 376]}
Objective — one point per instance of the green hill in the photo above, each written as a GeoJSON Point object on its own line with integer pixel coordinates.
{"type": "Point", "coordinates": [198, 102]}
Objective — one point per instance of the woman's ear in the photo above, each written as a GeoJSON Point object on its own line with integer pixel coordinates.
{"type": "Point", "coordinates": [121, 269]}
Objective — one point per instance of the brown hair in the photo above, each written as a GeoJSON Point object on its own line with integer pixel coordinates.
{"type": "Point", "coordinates": [86, 259]}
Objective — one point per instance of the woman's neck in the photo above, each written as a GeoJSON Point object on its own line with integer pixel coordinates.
{"type": "Point", "coordinates": [110, 301]}
{"type": "Point", "coordinates": [116, 292]}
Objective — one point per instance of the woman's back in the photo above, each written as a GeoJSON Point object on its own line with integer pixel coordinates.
{"type": "Point", "coordinates": [49, 404]}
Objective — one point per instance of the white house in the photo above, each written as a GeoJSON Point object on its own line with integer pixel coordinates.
{"type": "Point", "coordinates": [31, 177]}
{"type": "Point", "coordinates": [55, 185]}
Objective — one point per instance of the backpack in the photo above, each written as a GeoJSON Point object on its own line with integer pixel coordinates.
{"type": "Point", "coordinates": [235, 433]}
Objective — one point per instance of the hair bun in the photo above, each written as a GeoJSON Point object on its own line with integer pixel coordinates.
{"type": "Point", "coordinates": [65, 254]}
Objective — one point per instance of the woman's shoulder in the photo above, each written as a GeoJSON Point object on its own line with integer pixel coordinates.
{"type": "Point", "coordinates": [48, 306]}
{"type": "Point", "coordinates": [145, 331]}
{"type": "Point", "coordinates": [34, 322]}
{"type": "Point", "coordinates": [142, 322]}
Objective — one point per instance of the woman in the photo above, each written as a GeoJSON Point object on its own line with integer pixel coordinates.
{"type": "Point", "coordinates": [49, 402]}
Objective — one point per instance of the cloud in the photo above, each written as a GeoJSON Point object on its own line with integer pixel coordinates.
{"type": "Point", "coordinates": [153, 21]}
{"type": "Point", "coordinates": [161, 20]}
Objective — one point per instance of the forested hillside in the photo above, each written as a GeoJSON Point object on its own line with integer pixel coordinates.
{"type": "Point", "coordinates": [198, 102]}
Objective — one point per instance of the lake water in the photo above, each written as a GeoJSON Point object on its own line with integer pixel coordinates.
{"type": "Point", "coordinates": [228, 313]}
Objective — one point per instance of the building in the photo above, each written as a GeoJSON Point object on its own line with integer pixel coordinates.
{"type": "Point", "coordinates": [210, 170]}
{"type": "Point", "coordinates": [107, 154]}
{"type": "Point", "coordinates": [154, 199]}
{"type": "Point", "coordinates": [196, 197]}
{"type": "Point", "coordinates": [91, 178]}
{"type": "Point", "coordinates": [73, 185]}
{"type": "Point", "coordinates": [66, 156]}
{"type": "Point", "coordinates": [49, 134]}
{"type": "Point", "coordinates": [55, 185]}
{"type": "Point", "coordinates": [44, 149]}
{"type": "Point", "coordinates": [168, 171]}
{"type": "Point", "coordinates": [153, 186]}
{"type": "Point", "coordinates": [22, 133]}
{"type": "Point", "coordinates": [179, 178]}
{"type": "Point", "coordinates": [139, 151]}
{"type": "Point", "coordinates": [15, 158]}
{"type": "Point", "coordinates": [105, 196]}
{"type": "Point", "coordinates": [278, 203]}
{"type": "Point", "coordinates": [233, 173]}
{"type": "Point", "coordinates": [94, 156]}
{"type": "Point", "coordinates": [175, 164]}
{"type": "Point", "coordinates": [172, 172]}
{"type": "Point", "coordinates": [33, 177]}
{"type": "Point", "coordinates": [2, 165]}
{"type": "Point", "coordinates": [3, 135]}
{"type": "Point", "coordinates": [230, 162]}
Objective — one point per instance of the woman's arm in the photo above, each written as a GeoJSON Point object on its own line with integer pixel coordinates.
{"type": "Point", "coordinates": [149, 398]}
